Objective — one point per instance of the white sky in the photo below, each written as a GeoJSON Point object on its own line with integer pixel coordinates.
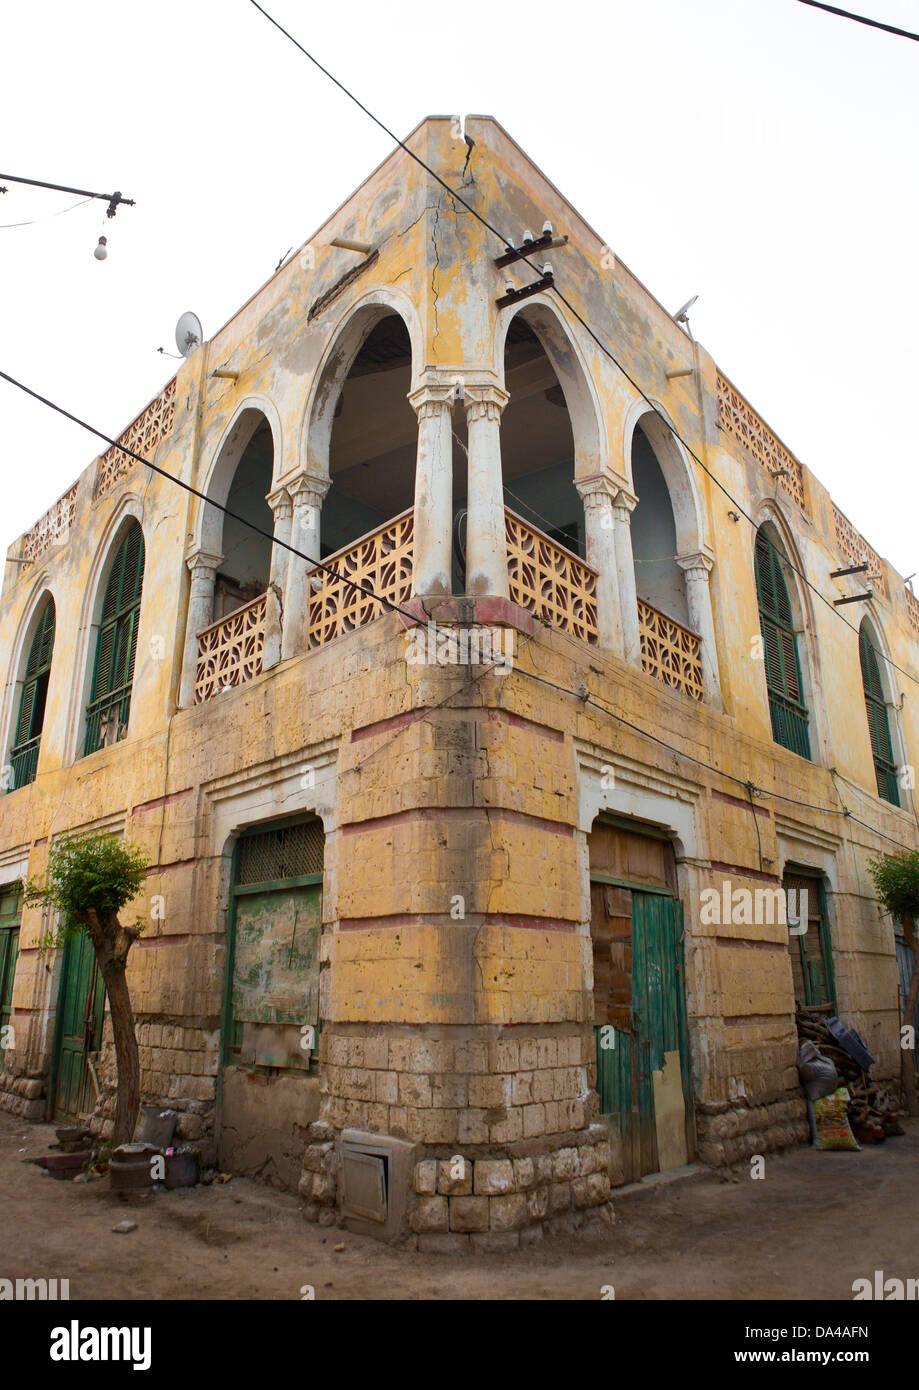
{"type": "Point", "coordinates": [758, 153]}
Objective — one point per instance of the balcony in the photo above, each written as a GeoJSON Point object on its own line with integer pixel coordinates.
{"type": "Point", "coordinates": [670, 652]}
{"type": "Point", "coordinates": [381, 561]}
{"type": "Point", "coordinates": [230, 650]}
{"type": "Point", "coordinates": [549, 581]}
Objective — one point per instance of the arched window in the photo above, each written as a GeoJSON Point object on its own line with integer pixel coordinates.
{"type": "Point", "coordinates": [116, 645]}
{"type": "Point", "coordinates": [885, 769]}
{"type": "Point", "coordinates": [783, 671]}
{"type": "Point", "coordinates": [31, 717]}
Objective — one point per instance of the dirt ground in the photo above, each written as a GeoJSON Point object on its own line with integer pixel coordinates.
{"type": "Point", "coordinates": [812, 1225]}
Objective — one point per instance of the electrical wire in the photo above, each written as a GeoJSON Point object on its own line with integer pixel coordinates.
{"type": "Point", "coordinates": [861, 19]}
{"type": "Point", "coordinates": [275, 540]}
{"type": "Point", "coordinates": [584, 324]}
{"type": "Point", "coordinates": [33, 222]}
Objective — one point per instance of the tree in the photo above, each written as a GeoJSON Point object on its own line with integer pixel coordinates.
{"type": "Point", "coordinates": [90, 879]}
{"type": "Point", "coordinates": [896, 878]}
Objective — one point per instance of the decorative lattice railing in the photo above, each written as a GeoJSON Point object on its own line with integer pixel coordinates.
{"type": "Point", "coordinates": [143, 435]}
{"type": "Point", "coordinates": [50, 529]}
{"type": "Point", "coordinates": [549, 581]}
{"type": "Point", "coordinates": [670, 651]}
{"type": "Point", "coordinates": [853, 547]}
{"type": "Point", "coordinates": [230, 651]}
{"type": "Point", "coordinates": [381, 561]}
{"type": "Point", "coordinates": [737, 417]}
{"type": "Point", "coordinates": [912, 608]}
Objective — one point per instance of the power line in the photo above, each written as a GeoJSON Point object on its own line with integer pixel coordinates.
{"type": "Point", "coordinates": [319, 564]}
{"type": "Point", "coordinates": [861, 19]}
{"type": "Point", "coordinates": [34, 221]}
{"type": "Point", "coordinates": [586, 326]}
{"type": "Point", "coordinates": [268, 535]}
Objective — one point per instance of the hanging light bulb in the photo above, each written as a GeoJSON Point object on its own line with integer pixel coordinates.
{"type": "Point", "coordinates": [100, 252]}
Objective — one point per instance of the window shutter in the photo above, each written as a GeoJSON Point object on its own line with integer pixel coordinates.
{"type": "Point", "coordinates": [117, 643]}
{"type": "Point", "coordinates": [885, 772]}
{"type": "Point", "coordinates": [26, 706]}
{"type": "Point", "coordinates": [783, 675]}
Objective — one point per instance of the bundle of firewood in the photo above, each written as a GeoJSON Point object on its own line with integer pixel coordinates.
{"type": "Point", "coordinates": [873, 1108]}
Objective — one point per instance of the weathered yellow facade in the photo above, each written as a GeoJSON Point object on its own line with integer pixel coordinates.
{"type": "Point", "coordinates": [457, 804]}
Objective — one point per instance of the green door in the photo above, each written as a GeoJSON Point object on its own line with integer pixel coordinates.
{"type": "Point", "coordinates": [10, 908]}
{"type": "Point", "coordinates": [275, 984]}
{"type": "Point", "coordinates": [79, 1029]}
{"type": "Point", "coordinates": [643, 1070]}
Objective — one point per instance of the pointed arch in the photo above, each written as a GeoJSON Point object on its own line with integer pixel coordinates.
{"type": "Point", "coordinates": [345, 342]}
{"type": "Point", "coordinates": [556, 337]}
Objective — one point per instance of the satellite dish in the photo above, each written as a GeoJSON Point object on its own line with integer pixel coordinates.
{"type": "Point", "coordinates": [683, 312]}
{"type": "Point", "coordinates": [189, 333]}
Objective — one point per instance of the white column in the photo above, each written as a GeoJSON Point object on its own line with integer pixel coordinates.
{"type": "Point", "coordinates": [697, 567]}
{"type": "Point", "coordinates": [200, 615]}
{"type": "Point", "coordinates": [432, 567]}
{"type": "Point", "coordinates": [307, 492]}
{"type": "Point", "coordinates": [623, 507]}
{"type": "Point", "coordinates": [597, 493]}
{"type": "Point", "coordinates": [281, 504]}
{"type": "Point", "coordinates": [486, 539]}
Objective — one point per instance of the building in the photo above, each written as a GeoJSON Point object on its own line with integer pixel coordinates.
{"type": "Point", "coordinates": [475, 845]}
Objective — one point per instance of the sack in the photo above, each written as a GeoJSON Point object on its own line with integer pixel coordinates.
{"type": "Point", "coordinates": [818, 1074]}
{"type": "Point", "coordinates": [851, 1042]}
{"type": "Point", "coordinates": [830, 1123]}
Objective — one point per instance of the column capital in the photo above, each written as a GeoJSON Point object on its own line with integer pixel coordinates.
{"type": "Point", "coordinates": [281, 503]}
{"type": "Point", "coordinates": [626, 501]}
{"type": "Point", "coordinates": [307, 489]}
{"type": "Point", "coordinates": [201, 561]}
{"type": "Point", "coordinates": [484, 401]}
{"type": "Point", "coordinates": [596, 489]}
{"type": "Point", "coordinates": [696, 564]}
{"type": "Point", "coordinates": [432, 398]}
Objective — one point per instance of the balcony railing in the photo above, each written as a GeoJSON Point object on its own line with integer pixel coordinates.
{"type": "Point", "coordinates": [669, 651]}
{"type": "Point", "coordinates": [51, 529]}
{"type": "Point", "coordinates": [141, 436]}
{"type": "Point", "coordinates": [230, 650]}
{"type": "Point", "coordinates": [107, 715]}
{"type": "Point", "coordinates": [549, 581]}
{"type": "Point", "coordinates": [381, 561]}
{"type": "Point", "coordinates": [23, 761]}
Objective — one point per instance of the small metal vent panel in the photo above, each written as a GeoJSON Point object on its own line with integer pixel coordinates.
{"type": "Point", "coordinates": [363, 1184]}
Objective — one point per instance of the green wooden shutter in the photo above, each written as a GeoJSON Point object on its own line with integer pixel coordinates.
{"type": "Point", "coordinates": [24, 753]}
{"type": "Point", "coordinates": [885, 771]}
{"type": "Point", "coordinates": [116, 647]}
{"type": "Point", "coordinates": [780, 646]}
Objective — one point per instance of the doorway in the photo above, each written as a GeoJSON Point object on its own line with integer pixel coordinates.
{"type": "Point", "coordinates": [80, 1014]}
{"type": "Point", "coordinates": [642, 1039]}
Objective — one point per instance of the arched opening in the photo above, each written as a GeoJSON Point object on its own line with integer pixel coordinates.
{"type": "Point", "coordinates": [33, 694]}
{"type": "Point", "coordinates": [374, 439]}
{"type": "Point", "coordinates": [780, 626]}
{"type": "Point", "coordinates": [874, 686]}
{"type": "Point", "coordinates": [537, 443]}
{"type": "Point", "coordinates": [659, 580]}
{"type": "Point", "coordinates": [115, 647]}
{"type": "Point", "coordinates": [245, 567]}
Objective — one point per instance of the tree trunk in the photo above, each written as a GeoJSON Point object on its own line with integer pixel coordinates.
{"type": "Point", "coordinates": [112, 942]}
{"type": "Point", "coordinates": [907, 1063]}
{"type": "Point", "coordinates": [127, 1103]}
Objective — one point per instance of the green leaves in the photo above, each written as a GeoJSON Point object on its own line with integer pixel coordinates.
{"type": "Point", "coordinates": [89, 873]}
{"type": "Point", "coordinates": [896, 878]}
